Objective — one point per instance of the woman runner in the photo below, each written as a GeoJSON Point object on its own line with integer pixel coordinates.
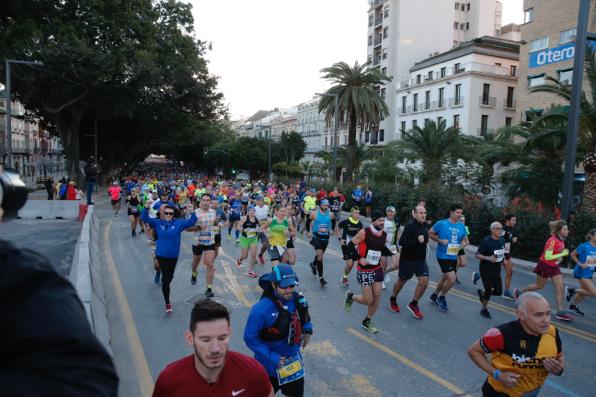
{"type": "Point", "coordinates": [249, 241]}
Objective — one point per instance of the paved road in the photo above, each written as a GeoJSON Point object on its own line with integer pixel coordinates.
{"type": "Point", "coordinates": [408, 357]}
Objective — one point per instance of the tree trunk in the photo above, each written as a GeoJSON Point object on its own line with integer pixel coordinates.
{"type": "Point", "coordinates": [68, 129]}
{"type": "Point", "coordinates": [589, 197]}
{"type": "Point", "coordinates": [350, 152]}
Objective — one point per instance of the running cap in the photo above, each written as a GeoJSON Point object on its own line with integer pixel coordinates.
{"type": "Point", "coordinates": [250, 207]}
{"type": "Point", "coordinates": [313, 190]}
{"type": "Point", "coordinates": [376, 215]}
{"type": "Point", "coordinates": [324, 202]}
{"type": "Point", "coordinates": [390, 208]}
{"type": "Point", "coordinates": [282, 275]}
{"type": "Point", "coordinates": [260, 197]}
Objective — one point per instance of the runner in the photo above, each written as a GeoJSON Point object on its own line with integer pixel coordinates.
{"type": "Point", "coordinates": [321, 230]}
{"type": "Point", "coordinates": [357, 196]}
{"type": "Point", "coordinates": [309, 205]}
{"type": "Point", "coordinates": [167, 251]}
{"type": "Point", "coordinates": [115, 193]}
{"type": "Point", "coordinates": [368, 201]}
{"type": "Point", "coordinates": [461, 255]}
{"type": "Point", "coordinates": [337, 200]}
{"type": "Point", "coordinates": [584, 257]}
{"type": "Point", "coordinates": [450, 235]}
{"type": "Point", "coordinates": [413, 243]}
{"type": "Point", "coordinates": [234, 216]}
{"type": "Point", "coordinates": [203, 244]}
{"type": "Point", "coordinates": [133, 211]}
{"type": "Point", "coordinates": [491, 254]}
{"type": "Point", "coordinates": [290, 256]}
{"type": "Point", "coordinates": [220, 221]}
{"type": "Point", "coordinates": [368, 245]}
{"type": "Point", "coordinates": [277, 327]}
{"type": "Point", "coordinates": [212, 370]}
{"type": "Point", "coordinates": [278, 229]}
{"type": "Point", "coordinates": [524, 352]}
{"type": "Point", "coordinates": [249, 240]}
{"type": "Point", "coordinates": [510, 235]}
{"type": "Point", "coordinates": [262, 214]}
{"type": "Point", "coordinates": [548, 266]}
{"type": "Point", "coordinates": [391, 228]}
{"type": "Point", "coordinates": [347, 229]}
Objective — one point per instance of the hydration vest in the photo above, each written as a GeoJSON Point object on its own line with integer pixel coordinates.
{"type": "Point", "coordinates": [287, 326]}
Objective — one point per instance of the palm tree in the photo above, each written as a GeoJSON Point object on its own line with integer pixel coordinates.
{"type": "Point", "coordinates": [362, 153]}
{"type": "Point", "coordinates": [433, 145]}
{"type": "Point", "coordinates": [359, 102]}
{"type": "Point", "coordinates": [587, 129]}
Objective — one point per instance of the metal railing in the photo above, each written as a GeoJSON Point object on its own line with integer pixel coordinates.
{"type": "Point", "coordinates": [485, 131]}
{"type": "Point", "coordinates": [456, 101]}
{"type": "Point", "coordinates": [509, 104]}
{"type": "Point", "coordinates": [487, 101]}
{"type": "Point", "coordinates": [470, 67]}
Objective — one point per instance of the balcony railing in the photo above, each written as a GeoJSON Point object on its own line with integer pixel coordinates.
{"type": "Point", "coordinates": [376, 61]}
{"type": "Point", "coordinates": [509, 104]}
{"type": "Point", "coordinates": [487, 101]}
{"type": "Point", "coordinates": [379, 20]}
{"type": "Point", "coordinates": [456, 102]}
{"type": "Point", "coordinates": [485, 131]}
{"type": "Point", "coordinates": [378, 40]}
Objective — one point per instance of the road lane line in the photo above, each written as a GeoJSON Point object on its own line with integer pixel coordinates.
{"type": "Point", "coordinates": [236, 289]}
{"type": "Point", "coordinates": [406, 361]}
{"type": "Point", "coordinates": [561, 389]}
{"type": "Point", "coordinates": [139, 361]}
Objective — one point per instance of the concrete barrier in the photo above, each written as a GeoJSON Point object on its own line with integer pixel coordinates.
{"type": "Point", "coordinates": [50, 209]}
{"type": "Point", "coordinates": [86, 276]}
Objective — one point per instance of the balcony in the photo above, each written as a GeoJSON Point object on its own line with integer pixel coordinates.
{"type": "Point", "coordinates": [441, 104]}
{"type": "Point", "coordinates": [378, 20]}
{"type": "Point", "coordinates": [485, 131]}
{"type": "Point", "coordinates": [487, 101]}
{"type": "Point", "coordinates": [456, 102]}
{"type": "Point", "coordinates": [378, 40]}
{"type": "Point", "coordinates": [377, 60]}
{"type": "Point", "coordinates": [509, 104]}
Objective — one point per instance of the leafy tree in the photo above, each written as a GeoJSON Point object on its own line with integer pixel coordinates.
{"type": "Point", "coordinates": [293, 146]}
{"type": "Point", "coordinates": [359, 102]}
{"type": "Point", "coordinates": [361, 154]}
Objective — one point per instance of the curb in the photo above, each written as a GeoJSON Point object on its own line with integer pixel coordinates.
{"type": "Point", "coordinates": [86, 276]}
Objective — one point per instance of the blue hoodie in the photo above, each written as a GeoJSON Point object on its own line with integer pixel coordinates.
{"type": "Point", "coordinates": [168, 233]}
{"type": "Point", "coordinates": [262, 316]}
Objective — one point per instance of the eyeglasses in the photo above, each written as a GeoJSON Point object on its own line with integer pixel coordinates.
{"type": "Point", "coordinates": [168, 213]}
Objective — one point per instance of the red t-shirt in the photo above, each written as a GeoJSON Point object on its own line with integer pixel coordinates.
{"type": "Point", "coordinates": [556, 245]}
{"type": "Point", "coordinates": [241, 376]}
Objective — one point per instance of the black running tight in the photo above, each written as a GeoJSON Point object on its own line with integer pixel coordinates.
{"type": "Point", "coordinates": [167, 267]}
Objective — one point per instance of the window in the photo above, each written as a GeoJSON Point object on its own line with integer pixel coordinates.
{"type": "Point", "coordinates": [508, 121]}
{"type": "Point", "coordinates": [383, 93]}
{"type": "Point", "coordinates": [443, 71]}
{"type": "Point", "coordinates": [565, 76]}
{"type": "Point", "coordinates": [384, 71]}
{"type": "Point", "coordinates": [369, 40]}
{"type": "Point", "coordinates": [429, 76]}
{"type": "Point", "coordinates": [528, 15]}
{"type": "Point", "coordinates": [484, 124]}
{"type": "Point", "coordinates": [510, 91]}
{"type": "Point", "coordinates": [385, 32]}
{"type": "Point", "coordinates": [403, 126]}
{"type": "Point", "coordinates": [567, 35]}
{"type": "Point", "coordinates": [415, 106]}
{"type": "Point", "coordinates": [427, 100]}
{"type": "Point", "coordinates": [414, 123]}
{"type": "Point", "coordinates": [441, 97]}
{"type": "Point", "coordinates": [533, 81]}
{"type": "Point", "coordinates": [370, 20]}
{"type": "Point", "coordinates": [539, 44]}
{"type": "Point", "coordinates": [468, 6]}
{"type": "Point", "coordinates": [369, 59]}
{"type": "Point", "coordinates": [367, 136]}
{"type": "Point", "coordinates": [403, 103]}
{"type": "Point", "coordinates": [326, 141]}
{"type": "Point", "coordinates": [467, 25]}
{"type": "Point", "coordinates": [455, 25]}
{"type": "Point", "coordinates": [439, 119]}
{"type": "Point", "coordinates": [456, 120]}
{"type": "Point", "coordinates": [457, 6]}
{"type": "Point", "coordinates": [457, 68]}
{"type": "Point", "coordinates": [381, 135]}
{"type": "Point", "coordinates": [384, 56]}
{"type": "Point", "coordinates": [418, 78]}
{"type": "Point", "coordinates": [426, 122]}
{"type": "Point", "coordinates": [462, 26]}
{"type": "Point", "coordinates": [513, 71]}
{"type": "Point", "coordinates": [457, 94]}
{"type": "Point", "coordinates": [485, 93]}
{"type": "Point", "coordinates": [386, 12]}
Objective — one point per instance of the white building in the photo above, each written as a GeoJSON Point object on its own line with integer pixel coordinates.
{"type": "Point", "coordinates": [401, 32]}
{"type": "Point", "coordinates": [310, 124]}
{"type": "Point", "coordinates": [473, 87]}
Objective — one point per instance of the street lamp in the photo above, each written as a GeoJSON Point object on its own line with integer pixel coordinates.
{"type": "Point", "coordinates": [8, 109]}
{"type": "Point", "coordinates": [335, 125]}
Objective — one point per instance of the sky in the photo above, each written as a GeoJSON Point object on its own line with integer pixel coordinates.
{"type": "Point", "coordinates": [269, 53]}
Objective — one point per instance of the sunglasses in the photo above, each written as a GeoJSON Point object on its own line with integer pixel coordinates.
{"type": "Point", "coordinates": [168, 213]}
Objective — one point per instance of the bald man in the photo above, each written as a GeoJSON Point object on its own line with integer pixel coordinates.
{"type": "Point", "coordinates": [524, 352]}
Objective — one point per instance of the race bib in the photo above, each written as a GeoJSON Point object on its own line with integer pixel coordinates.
{"type": "Point", "coordinates": [453, 249]}
{"type": "Point", "coordinates": [324, 229]}
{"type": "Point", "coordinates": [373, 257]}
{"type": "Point", "coordinates": [500, 255]}
{"type": "Point", "coordinates": [216, 229]}
{"type": "Point", "coordinates": [280, 250]}
{"type": "Point", "coordinates": [250, 233]}
{"type": "Point", "coordinates": [205, 238]}
{"type": "Point", "coordinates": [591, 259]}
{"type": "Point", "coordinates": [134, 209]}
{"type": "Point", "coordinates": [507, 248]}
{"type": "Point", "coordinates": [290, 372]}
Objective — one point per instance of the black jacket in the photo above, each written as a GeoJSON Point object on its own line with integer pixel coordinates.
{"type": "Point", "coordinates": [46, 344]}
{"type": "Point", "coordinates": [412, 248]}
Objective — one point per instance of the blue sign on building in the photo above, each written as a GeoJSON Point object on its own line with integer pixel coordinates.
{"type": "Point", "coordinates": [554, 55]}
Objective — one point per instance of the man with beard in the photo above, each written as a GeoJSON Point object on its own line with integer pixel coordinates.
{"type": "Point", "coordinates": [212, 370]}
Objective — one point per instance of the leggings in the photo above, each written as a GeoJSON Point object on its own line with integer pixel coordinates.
{"type": "Point", "coordinates": [167, 267]}
{"type": "Point", "coordinates": [292, 389]}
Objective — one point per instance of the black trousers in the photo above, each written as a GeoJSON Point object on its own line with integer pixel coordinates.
{"type": "Point", "coordinates": [491, 280]}
{"type": "Point", "coordinates": [292, 389]}
{"type": "Point", "coordinates": [167, 267]}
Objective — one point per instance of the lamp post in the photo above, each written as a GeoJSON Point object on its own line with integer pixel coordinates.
{"type": "Point", "coordinates": [8, 109]}
{"type": "Point", "coordinates": [335, 126]}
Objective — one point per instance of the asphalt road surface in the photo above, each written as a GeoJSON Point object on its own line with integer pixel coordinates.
{"type": "Point", "coordinates": [408, 357]}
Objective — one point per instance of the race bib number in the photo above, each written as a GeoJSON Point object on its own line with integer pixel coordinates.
{"type": "Point", "coordinates": [251, 233]}
{"type": "Point", "coordinates": [134, 209]}
{"type": "Point", "coordinates": [290, 372]}
{"type": "Point", "coordinates": [453, 249]}
{"type": "Point", "coordinates": [280, 250]}
{"type": "Point", "coordinates": [373, 257]}
{"type": "Point", "coordinates": [205, 238]}
{"type": "Point", "coordinates": [500, 255]}
{"type": "Point", "coordinates": [324, 229]}
{"type": "Point", "coordinates": [507, 248]}
{"type": "Point", "coordinates": [591, 259]}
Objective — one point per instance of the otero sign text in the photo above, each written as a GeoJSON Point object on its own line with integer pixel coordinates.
{"type": "Point", "coordinates": [554, 55]}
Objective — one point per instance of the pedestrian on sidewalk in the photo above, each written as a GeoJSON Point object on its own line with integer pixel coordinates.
{"type": "Point", "coordinates": [212, 370]}
{"type": "Point", "coordinates": [548, 266]}
{"type": "Point", "coordinates": [49, 185]}
{"type": "Point", "coordinates": [90, 177]}
{"type": "Point", "coordinates": [368, 201]}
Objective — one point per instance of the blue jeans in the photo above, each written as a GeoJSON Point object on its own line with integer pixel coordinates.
{"type": "Point", "coordinates": [90, 186]}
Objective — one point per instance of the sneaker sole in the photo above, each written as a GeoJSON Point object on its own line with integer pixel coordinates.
{"type": "Point", "coordinates": [510, 298]}
{"type": "Point", "coordinates": [369, 330]}
{"type": "Point", "coordinates": [414, 314]}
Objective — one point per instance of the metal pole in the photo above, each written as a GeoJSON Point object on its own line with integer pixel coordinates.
{"type": "Point", "coordinates": [269, 157]}
{"type": "Point", "coordinates": [574, 108]}
{"type": "Point", "coordinates": [8, 118]}
{"type": "Point", "coordinates": [335, 126]}
{"type": "Point", "coordinates": [95, 134]}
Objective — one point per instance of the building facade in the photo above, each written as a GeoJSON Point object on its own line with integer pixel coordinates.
{"type": "Point", "coordinates": [549, 33]}
{"type": "Point", "coordinates": [476, 18]}
{"type": "Point", "coordinates": [310, 124]}
{"type": "Point", "coordinates": [473, 87]}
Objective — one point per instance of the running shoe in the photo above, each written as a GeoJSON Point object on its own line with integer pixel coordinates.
{"type": "Point", "coordinates": [322, 281]}
{"type": "Point", "coordinates": [485, 313]}
{"type": "Point", "coordinates": [393, 306]}
{"type": "Point", "coordinates": [508, 295]}
{"type": "Point", "coordinates": [313, 268]}
{"type": "Point", "coordinates": [434, 299]}
{"type": "Point", "coordinates": [261, 259]}
{"type": "Point", "coordinates": [193, 278]}
{"type": "Point", "coordinates": [237, 241]}
{"type": "Point", "coordinates": [561, 315]}
{"type": "Point", "coordinates": [251, 274]}
{"type": "Point", "coordinates": [348, 301]}
{"type": "Point", "coordinates": [475, 278]}
{"type": "Point", "coordinates": [516, 294]}
{"type": "Point", "coordinates": [157, 278]}
{"type": "Point", "coordinates": [344, 282]}
{"type": "Point", "coordinates": [368, 325]}
{"type": "Point", "coordinates": [169, 308]}
{"type": "Point", "coordinates": [209, 293]}
{"type": "Point", "coordinates": [569, 292]}
{"type": "Point", "coordinates": [443, 304]}
{"type": "Point", "coordinates": [574, 309]}
{"type": "Point", "coordinates": [229, 237]}
{"type": "Point", "coordinates": [383, 286]}
{"type": "Point", "coordinates": [133, 234]}
{"type": "Point", "coordinates": [238, 262]}
{"type": "Point", "coordinates": [415, 310]}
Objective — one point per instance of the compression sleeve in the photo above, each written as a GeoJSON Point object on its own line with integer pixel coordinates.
{"type": "Point", "coordinates": [549, 256]}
